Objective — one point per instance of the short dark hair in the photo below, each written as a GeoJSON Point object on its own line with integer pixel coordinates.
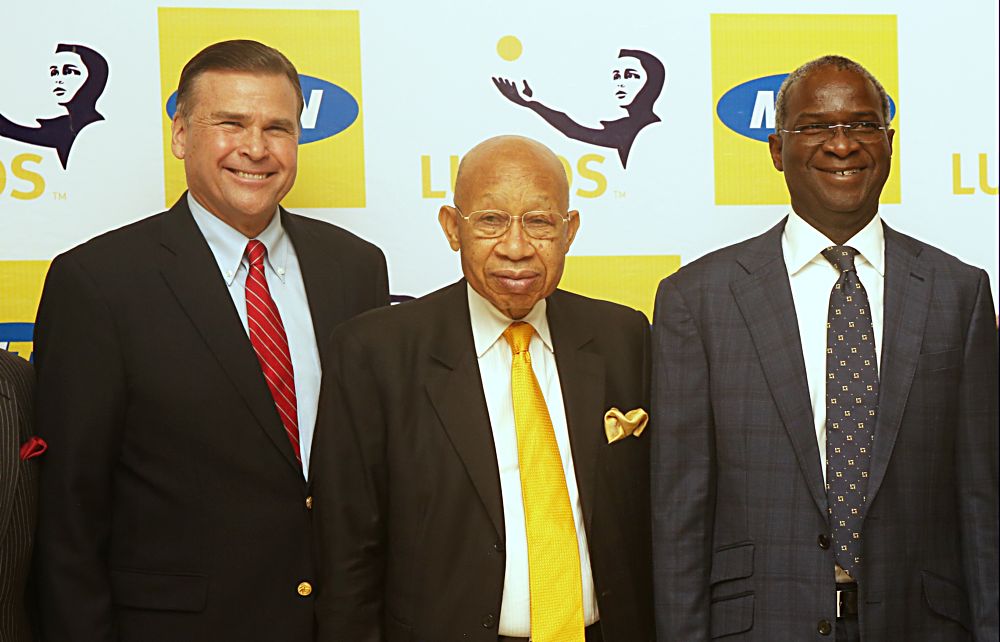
{"type": "Point", "coordinates": [840, 63]}
{"type": "Point", "coordinates": [235, 55]}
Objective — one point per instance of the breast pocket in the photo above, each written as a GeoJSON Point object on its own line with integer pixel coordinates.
{"type": "Point", "coordinates": [941, 360]}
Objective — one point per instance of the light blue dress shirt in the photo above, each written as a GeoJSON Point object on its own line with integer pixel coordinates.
{"type": "Point", "coordinates": [284, 280]}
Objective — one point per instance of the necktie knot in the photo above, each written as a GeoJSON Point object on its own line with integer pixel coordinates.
{"type": "Point", "coordinates": [841, 256]}
{"type": "Point", "coordinates": [255, 252]}
{"type": "Point", "coordinates": [518, 335]}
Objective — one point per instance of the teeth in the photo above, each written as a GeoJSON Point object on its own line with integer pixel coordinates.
{"type": "Point", "coordinates": [848, 172]}
{"type": "Point", "coordinates": [258, 177]}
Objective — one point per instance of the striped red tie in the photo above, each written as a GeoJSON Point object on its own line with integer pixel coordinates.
{"type": "Point", "coordinates": [267, 334]}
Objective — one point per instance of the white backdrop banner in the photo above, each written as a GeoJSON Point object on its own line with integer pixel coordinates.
{"type": "Point", "coordinates": [660, 112]}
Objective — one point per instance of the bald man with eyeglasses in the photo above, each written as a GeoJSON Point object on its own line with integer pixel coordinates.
{"type": "Point", "coordinates": [482, 467]}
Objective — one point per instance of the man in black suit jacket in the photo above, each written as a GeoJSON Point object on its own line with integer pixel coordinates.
{"type": "Point", "coordinates": [18, 493]}
{"type": "Point", "coordinates": [174, 502]}
{"type": "Point", "coordinates": [749, 363]}
{"type": "Point", "coordinates": [420, 515]}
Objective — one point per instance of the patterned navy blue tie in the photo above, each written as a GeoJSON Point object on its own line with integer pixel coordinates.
{"type": "Point", "coordinates": [851, 405]}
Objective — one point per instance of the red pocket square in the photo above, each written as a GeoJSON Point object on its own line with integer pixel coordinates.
{"type": "Point", "coordinates": [32, 448]}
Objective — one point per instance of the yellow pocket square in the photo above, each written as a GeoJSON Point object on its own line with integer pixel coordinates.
{"type": "Point", "coordinates": [619, 426]}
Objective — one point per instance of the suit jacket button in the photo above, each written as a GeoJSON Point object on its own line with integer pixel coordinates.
{"type": "Point", "coordinates": [823, 627]}
{"type": "Point", "coordinates": [498, 547]}
{"type": "Point", "coordinates": [305, 589]}
{"type": "Point", "coordinates": [489, 621]}
{"type": "Point", "coordinates": [309, 503]}
{"type": "Point", "coordinates": [824, 541]}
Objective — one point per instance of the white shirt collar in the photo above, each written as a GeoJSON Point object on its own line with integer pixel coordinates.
{"type": "Point", "coordinates": [488, 323]}
{"type": "Point", "coordinates": [805, 243]}
{"type": "Point", "coordinates": [229, 244]}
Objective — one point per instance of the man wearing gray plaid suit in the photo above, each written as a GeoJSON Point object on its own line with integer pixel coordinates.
{"type": "Point", "coordinates": [824, 455]}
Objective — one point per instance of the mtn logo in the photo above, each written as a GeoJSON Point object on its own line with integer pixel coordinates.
{"type": "Point", "coordinates": [328, 110]}
{"type": "Point", "coordinates": [748, 109]}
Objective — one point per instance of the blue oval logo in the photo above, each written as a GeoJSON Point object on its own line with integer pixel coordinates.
{"type": "Point", "coordinates": [748, 109]}
{"type": "Point", "coordinates": [329, 109]}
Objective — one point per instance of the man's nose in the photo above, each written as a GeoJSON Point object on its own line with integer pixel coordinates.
{"type": "Point", "coordinates": [254, 143]}
{"type": "Point", "coordinates": [515, 244]}
{"type": "Point", "coordinates": [840, 143]}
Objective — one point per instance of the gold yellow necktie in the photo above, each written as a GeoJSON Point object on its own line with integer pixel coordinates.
{"type": "Point", "coordinates": [553, 550]}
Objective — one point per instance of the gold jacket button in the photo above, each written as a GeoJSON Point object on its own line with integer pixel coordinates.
{"type": "Point", "coordinates": [309, 503]}
{"type": "Point", "coordinates": [305, 589]}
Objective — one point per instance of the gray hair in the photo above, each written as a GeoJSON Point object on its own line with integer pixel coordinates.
{"type": "Point", "coordinates": [842, 64]}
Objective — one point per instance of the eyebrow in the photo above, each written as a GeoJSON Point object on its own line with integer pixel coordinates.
{"type": "Point", "coordinates": [234, 115]}
{"type": "Point", "coordinates": [823, 115]}
{"type": "Point", "coordinates": [227, 115]}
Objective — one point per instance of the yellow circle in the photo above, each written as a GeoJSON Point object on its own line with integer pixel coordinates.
{"type": "Point", "coordinates": [509, 48]}
{"type": "Point", "coordinates": [305, 589]}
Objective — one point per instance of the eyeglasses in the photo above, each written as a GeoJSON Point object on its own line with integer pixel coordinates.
{"type": "Point", "coordinates": [538, 224]}
{"type": "Point", "coordinates": [862, 132]}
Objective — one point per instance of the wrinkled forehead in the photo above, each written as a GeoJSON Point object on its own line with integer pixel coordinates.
{"type": "Point", "coordinates": [832, 86]}
{"type": "Point", "coordinates": [528, 177]}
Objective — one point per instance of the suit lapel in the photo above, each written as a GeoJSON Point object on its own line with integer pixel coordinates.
{"type": "Point", "coordinates": [323, 276]}
{"type": "Point", "coordinates": [456, 393]}
{"type": "Point", "coordinates": [191, 272]}
{"type": "Point", "coordinates": [906, 302]}
{"type": "Point", "coordinates": [764, 297]}
{"type": "Point", "coordinates": [581, 378]}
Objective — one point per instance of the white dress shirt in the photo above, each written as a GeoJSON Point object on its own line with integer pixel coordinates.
{"type": "Point", "coordinates": [494, 354]}
{"type": "Point", "coordinates": [812, 278]}
{"type": "Point", "coordinates": [284, 280]}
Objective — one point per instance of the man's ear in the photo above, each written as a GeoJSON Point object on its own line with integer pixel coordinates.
{"type": "Point", "coordinates": [572, 227]}
{"type": "Point", "coordinates": [448, 218]}
{"type": "Point", "coordinates": [178, 136]}
{"type": "Point", "coordinates": [774, 141]}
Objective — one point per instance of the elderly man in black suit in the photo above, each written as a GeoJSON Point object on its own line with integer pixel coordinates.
{"type": "Point", "coordinates": [178, 376]}
{"type": "Point", "coordinates": [18, 493]}
{"type": "Point", "coordinates": [827, 393]}
{"type": "Point", "coordinates": [483, 467]}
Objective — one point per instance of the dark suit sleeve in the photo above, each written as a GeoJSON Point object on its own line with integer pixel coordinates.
{"type": "Point", "coordinates": [80, 407]}
{"type": "Point", "coordinates": [350, 496]}
{"type": "Point", "coordinates": [682, 471]}
{"type": "Point", "coordinates": [977, 454]}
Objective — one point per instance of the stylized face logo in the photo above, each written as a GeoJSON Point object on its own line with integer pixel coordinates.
{"type": "Point", "coordinates": [68, 74]}
{"type": "Point", "coordinates": [628, 77]}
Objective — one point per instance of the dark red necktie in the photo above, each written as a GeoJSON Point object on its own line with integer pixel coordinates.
{"type": "Point", "coordinates": [267, 334]}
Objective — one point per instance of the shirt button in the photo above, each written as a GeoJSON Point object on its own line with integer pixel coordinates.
{"type": "Point", "coordinates": [305, 589]}
{"type": "Point", "coordinates": [823, 627]}
{"type": "Point", "coordinates": [824, 541]}
{"type": "Point", "coordinates": [280, 271]}
{"type": "Point", "coordinates": [489, 621]}
{"type": "Point", "coordinates": [309, 503]}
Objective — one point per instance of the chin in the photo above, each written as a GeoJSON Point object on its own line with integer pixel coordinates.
{"type": "Point", "coordinates": [516, 308]}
